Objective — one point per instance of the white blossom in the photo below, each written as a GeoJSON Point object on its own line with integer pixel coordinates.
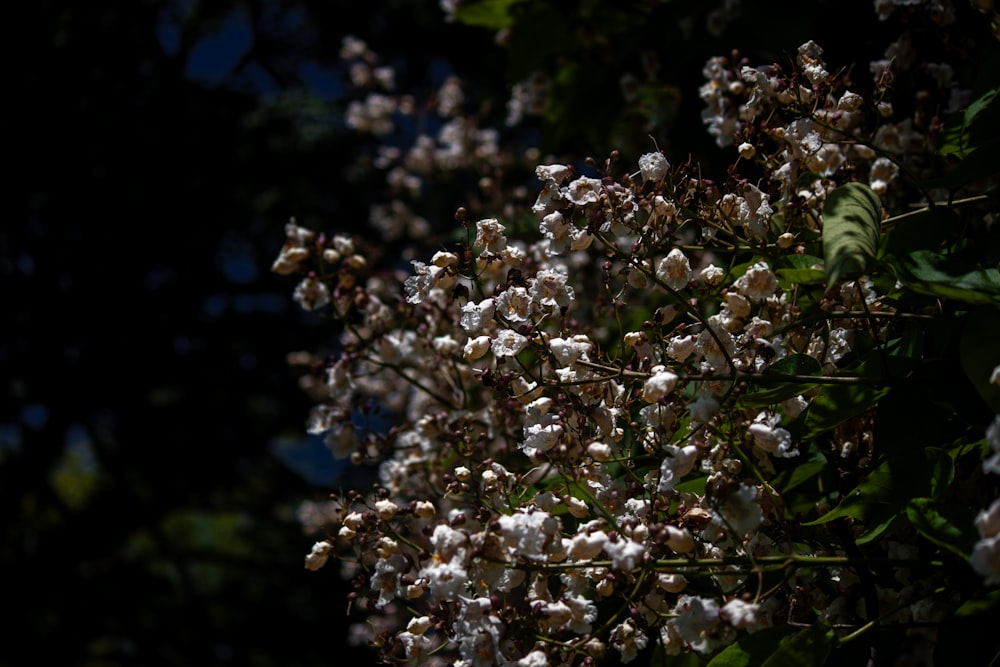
{"type": "Point", "coordinates": [674, 270]}
{"type": "Point", "coordinates": [654, 166]}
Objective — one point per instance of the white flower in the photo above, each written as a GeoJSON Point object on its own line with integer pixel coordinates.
{"type": "Point", "coordinates": [534, 659]}
{"type": "Point", "coordinates": [386, 509]}
{"type": "Point", "coordinates": [985, 557]}
{"type": "Point", "coordinates": [758, 283]}
{"type": "Point", "coordinates": [586, 546]}
{"type": "Point", "coordinates": [755, 211]}
{"type": "Point", "coordinates": [628, 640]}
{"type": "Point", "coordinates": [742, 614]}
{"type": "Point", "coordinates": [695, 622]}
{"type": "Point", "coordinates": [712, 275]}
{"type": "Point", "coordinates": [584, 191]}
{"type": "Point", "coordinates": [739, 510]}
{"type": "Point", "coordinates": [558, 231]}
{"type": "Point", "coordinates": [883, 172]}
{"type": "Point", "coordinates": [549, 289]}
{"type": "Point", "coordinates": [674, 270]}
{"type": "Point", "coordinates": [770, 437]}
{"type": "Point", "coordinates": [678, 462]}
{"type": "Point", "coordinates": [708, 346]}
{"type": "Point", "coordinates": [508, 343]}
{"type": "Point", "coordinates": [476, 315]}
{"type": "Point", "coordinates": [746, 150]}
{"type": "Point", "coordinates": [425, 509]}
{"type": "Point", "coordinates": [680, 348]}
{"type": "Point", "coordinates": [490, 236]}
{"type": "Point", "coordinates": [553, 172]}
{"type": "Point", "coordinates": [528, 533]}
{"type": "Point", "coordinates": [624, 553]}
{"type": "Point", "coordinates": [599, 451]}
{"type": "Point", "coordinates": [568, 351]}
{"type": "Point", "coordinates": [654, 166]}
{"type": "Point", "coordinates": [659, 384]}
{"type": "Point", "coordinates": [312, 293]}
{"type": "Point", "coordinates": [514, 304]}
{"type": "Point", "coordinates": [387, 578]}
{"type": "Point", "coordinates": [476, 347]}
{"type": "Point", "coordinates": [988, 521]}
{"type": "Point", "coordinates": [811, 62]}
{"type": "Point", "coordinates": [418, 286]}
{"type": "Point", "coordinates": [318, 556]}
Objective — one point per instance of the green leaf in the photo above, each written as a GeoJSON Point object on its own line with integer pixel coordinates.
{"type": "Point", "coordinates": [807, 648]}
{"type": "Point", "coordinates": [949, 276]}
{"type": "Point", "coordinates": [955, 138]}
{"type": "Point", "coordinates": [753, 649]}
{"type": "Point", "coordinates": [948, 526]}
{"type": "Point", "coordinates": [979, 353]}
{"type": "Point", "coordinates": [852, 217]}
{"type": "Point", "coordinates": [789, 479]}
{"type": "Point", "coordinates": [983, 605]}
{"type": "Point", "coordinates": [493, 14]}
{"type": "Point", "coordinates": [835, 404]}
{"type": "Point", "coordinates": [788, 277]}
{"type": "Point", "coordinates": [775, 391]}
{"type": "Point", "coordinates": [801, 270]}
{"type": "Point", "coordinates": [872, 501]}
{"type": "Point", "coordinates": [659, 658]}
{"type": "Point", "coordinates": [885, 493]}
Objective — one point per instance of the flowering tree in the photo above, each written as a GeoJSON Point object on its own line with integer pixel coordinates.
{"type": "Point", "coordinates": [749, 419]}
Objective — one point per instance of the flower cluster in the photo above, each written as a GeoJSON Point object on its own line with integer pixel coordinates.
{"type": "Point", "coordinates": [594, 437]}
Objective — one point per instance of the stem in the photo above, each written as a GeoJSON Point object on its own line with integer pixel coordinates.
{"type": "Point", "coordinates": [890, 223]}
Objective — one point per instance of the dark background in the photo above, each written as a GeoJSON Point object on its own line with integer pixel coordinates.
{"type": "Point", "coordinates": [151, 434]}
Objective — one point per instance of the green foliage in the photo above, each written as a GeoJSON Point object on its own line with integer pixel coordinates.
{"type": "Point", "coordinates": [754, 649]}
{"type": "Point", "coordinates": [493, 14]}
{"type": "Point", "coordinates": [979, 352]}
{"type": "Point", "coordinates": [851, 219]}
{"type": "Point", "coordinates": [770, 392]}
{"type": "Point", "coordinates": [806, 648]}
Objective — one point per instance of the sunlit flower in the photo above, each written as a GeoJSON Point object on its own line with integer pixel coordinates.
{"type": "Point", "coordinates": [549, 289]}
{"type": "Point", "coordinates": [584, 190]}
{"type": "Point", "coordinates": [674, 270]}
{"type": "Point", "coordinates": [758, 283]}
{"type": "Point", "coordinates": [514, 304]}
{"type": "Point", "coordinates": [660, 383]}
{"type": "Point", "coordinates": [654, 166]}
{"type": "Point", "coordinates": [508, 343]}
{"type": "Point", "coordinates": [319, 555]}
{"type": "Point", "coordinates": [490, 236]}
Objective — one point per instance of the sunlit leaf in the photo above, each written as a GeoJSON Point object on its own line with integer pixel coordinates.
{"type": "Point", "coordinates": [851, 219]}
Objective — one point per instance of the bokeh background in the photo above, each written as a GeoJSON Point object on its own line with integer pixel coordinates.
{"type": "Point", "coordinates": [152, 446]}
